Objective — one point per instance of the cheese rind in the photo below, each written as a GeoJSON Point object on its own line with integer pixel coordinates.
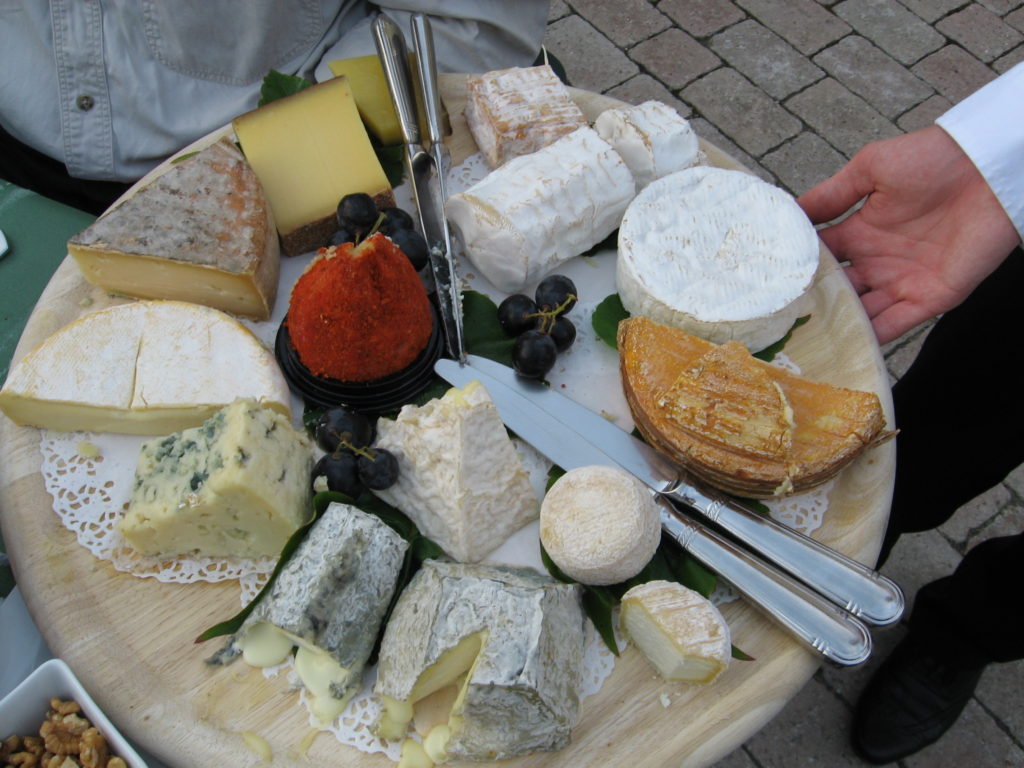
{"type": "Point", "coordinates": [309, 150]}
{"type": "Point", "coordinates": [717, 253]}
{"type": "Point", "coordinates": [536, 211]}
{"type": "Point", "coordinates": [201, 232]}
{"type": "Point", "coordinates": [460, 478]}
{"type": "Point", "coordinates": [516, 111]}
{"type": "Point", "coordinates": [237, 486]}
{"type": "Point", "coordinates": [520, 691]}
{"type": "Point", "coordinates": [146, 368]}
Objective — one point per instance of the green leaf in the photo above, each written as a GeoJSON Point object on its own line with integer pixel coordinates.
{"type": "Point", "coordinates": [755, 505]}
{"type": "Point", "coordinates": [186, 156]}
{"type": "Point", "coordinates": [392, 161]}
{"type": "Point", "coordinates": [741, 655]}
{"type": "Point", "coordinates": [277, 85]}
{"type": "Point", "coordinates": [310, 415]}
{"type": "Point", "coordinates": [483, 333]}
{"type": "Point", "coordinates": [768, 353]}
{"type": "Point", "coordinates": [607, 316]}
{"type": "Point", "coordinates": [598, 603]}
{"type": "Point", "coordinates": [553, 474]}
{"type": "Point", "coordinates": [688, 571]}
{"type": "Point", "coordinates": [610, 243]}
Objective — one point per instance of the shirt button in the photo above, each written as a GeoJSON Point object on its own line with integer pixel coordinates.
{"type": "Point", "coordinates": [85, 102]}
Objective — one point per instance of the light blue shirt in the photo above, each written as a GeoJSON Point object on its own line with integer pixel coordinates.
{"type": "Point", "coordinates": [112, 87]}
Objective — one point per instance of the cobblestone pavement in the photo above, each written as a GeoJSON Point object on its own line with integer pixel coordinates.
{"type": "Point", "coordinates": [792, 89]}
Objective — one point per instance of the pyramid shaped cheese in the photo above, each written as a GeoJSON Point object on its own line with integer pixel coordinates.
{"type": "Point", "coordinates": [201, 232]}
{"type": "Point", "coordinates": [145, 368]}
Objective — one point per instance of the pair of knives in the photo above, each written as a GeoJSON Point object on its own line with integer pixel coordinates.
{"type": "Point", "coordinates": [425, 161]}
{"type": "Point", "coordinates": [819, 595]}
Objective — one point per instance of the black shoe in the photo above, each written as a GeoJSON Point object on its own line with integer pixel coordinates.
{"type": "Point", "coordinates": [913, 698]}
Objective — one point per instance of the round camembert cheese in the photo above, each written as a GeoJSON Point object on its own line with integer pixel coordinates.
{"type": "Point", "coordinates": [599, 525]}
{"type": "Point", "coordinates": [719, 254]}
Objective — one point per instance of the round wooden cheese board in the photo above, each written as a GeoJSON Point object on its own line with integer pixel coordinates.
{"type": "Point", "coordinates": [130, 640]}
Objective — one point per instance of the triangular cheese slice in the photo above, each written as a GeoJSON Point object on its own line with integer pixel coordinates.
{"type": "Point", "coordinates": [145, 368]}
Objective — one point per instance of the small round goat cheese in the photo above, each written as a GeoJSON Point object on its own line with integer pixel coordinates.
{"type": "Point", "coordinates": [599, 525]}
{"type": "Point", "coordinates": [717, 253]}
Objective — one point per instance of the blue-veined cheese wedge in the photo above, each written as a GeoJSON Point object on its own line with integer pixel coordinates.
{"type": "Point", "coordinates": [505, 643]}
{"type": "Point", "coordinates": [328, 601]}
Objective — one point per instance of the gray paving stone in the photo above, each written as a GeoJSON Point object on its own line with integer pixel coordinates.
{"type": "Point", "coordinates": [932, 10]}
{"type": "Point", "coordinates": [842, 118]}
{"type": "Point", "coordinates": [917, 559]}
{"type": "Point", "coordinates": [1001, 6]}
{"type": "Point", "coordinates": [975, 516]}
{"type": "Point", "coordinates": [901, 353]}
{"type": "Point", "coordinates": [805, 24]}
{"type": "Point", "coordinates": [1009, 522]}
{"type": "Point", "coordinates": [741, 111]}
{"type": "Point", "coordinates": [1015, 19]}
{"type": "Point", "coordinates": [976, 739]}
{"type": "Point", "coordinates": [848, 682]}
{"type": "Point", "coordinates": [643, 88]}
{"type": "Point", "coordinates": [1015, 482]}
{"type": "Point", "coordinates": [999, 692]}
{"type": "Point", "coordinates": [674, 57]}
{"type": "Point", "coordinates": [953, 72]}
{"type": "Point", "coordinates": [738, 758]}
{"type": "Point", "coordinates": [924, 114]}
{"type": "Point", "coordinates": [802, 162]}
{"type": "Point", "coordinates": [591, 60]}
{"type": "Point", "coordinates": [980, 31]}
{"type": "Point", "coordinates": [710, 133]}
{"type": "Point", "coordinates": [557, 10]}
{"type": "Point", "coordinates": [765, 58]}
{"type": "Point", "coordinates": [873, 75]}
{"type": "Point", "coordinates": [624, 22]}
{"type": "Point", "coordinates": [1010, 60]}
{"type": "Point", "coordinates": [702, 17]}
{"type": "Point", "coordinates": [891, 27]}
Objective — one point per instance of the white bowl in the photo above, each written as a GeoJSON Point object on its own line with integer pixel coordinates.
{"type": "Point", "coordinates": [24, 709]}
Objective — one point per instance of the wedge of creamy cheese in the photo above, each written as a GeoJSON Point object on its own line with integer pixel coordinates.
{"type": "Point", "coordinates": [505, 644]}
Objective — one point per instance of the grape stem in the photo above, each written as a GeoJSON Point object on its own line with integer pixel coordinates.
{"type": "Point", "coordinates": [547, 319]}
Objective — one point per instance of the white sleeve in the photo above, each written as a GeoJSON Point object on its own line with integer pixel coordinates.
{"type": "Point", "coordinates": [989, 126]}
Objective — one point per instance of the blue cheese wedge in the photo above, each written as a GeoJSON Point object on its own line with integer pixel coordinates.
{"type": "Point", "coordinates": [328, 601]}
{"type": "Point", "coordinates": [508, 645]}
{"type": "Point", "coordinates": [536, 211]}
{"type": "Point", "coordinates": [237, 486]}
{"type": "Point", "coordinates": [460, 478]}
{"type": "Point", "coordinates": [719, 254]}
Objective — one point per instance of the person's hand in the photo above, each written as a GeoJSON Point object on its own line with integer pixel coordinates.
{"type": "Point", "coordinates": [928, 233]}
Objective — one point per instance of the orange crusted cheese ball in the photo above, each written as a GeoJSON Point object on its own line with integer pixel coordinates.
{"type": "Point", "coordinates": [359, 312]}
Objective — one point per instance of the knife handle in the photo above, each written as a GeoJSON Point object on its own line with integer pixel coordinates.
{"type": "Point", "coordinates": [817, 623]}
{"type": "Point", "coordinates": [863, 592]}
{"type": "Point", "coordinates": [426, 62]}
{"type": "Point", "coordinates": [394, 58]}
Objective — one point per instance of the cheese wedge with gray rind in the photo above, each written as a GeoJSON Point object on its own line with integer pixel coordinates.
{"type": "Point", "coordinates": [520, 690]}
{"type": "Point", "coordinates": [329, 600]}
{"type": "Point", "coordinates": [717, 253]}
{"type": "Point", "coordinates": [652, 138]}
{"type": "Point", "coordinates": [202, 231]}
{"type": "Point", "coordinates": [143, 368]}
{"type": "Point", "coordinates": [524, 219]}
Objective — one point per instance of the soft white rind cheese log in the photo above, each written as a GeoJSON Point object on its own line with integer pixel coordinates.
{"type": "Point", "coordinates": [599, 525]}
{"type": "Point", "coordinates": [236, 486]}
{"type": "Point", "coordinates": [516, 111]}
{"type": "Point", "coordinates": [536, 211]}
{"type": "Point", "coordinates": [651, 137]}
{"type": "Point", "coordinates": [330, 598]}
{"type": "Point", "coordinates": [460, 478]}
{"type": "Point", "coordinates": [679, 630]}
{"type": "Point", "coordinates": [718, 253]}
{"type": "Point", "coordinates": [521, 694]}
{"type": "Point", "coordinates": [203, 231]}
{"type": "Point", "coordinates": [145, 368]}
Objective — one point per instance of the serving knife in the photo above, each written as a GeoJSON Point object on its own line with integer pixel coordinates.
{"type": "Point", "coordinates": [424, 168]}
{"type": "Point", "coordinates": [817, 623]}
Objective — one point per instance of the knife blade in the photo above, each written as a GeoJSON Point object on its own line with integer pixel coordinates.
{"type": "Point", "coordinates": [865, 593]}
{"type": "Point", "coordinates": [819, 624]}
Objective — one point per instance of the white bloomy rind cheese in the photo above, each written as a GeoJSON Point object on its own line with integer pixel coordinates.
{"type": "Point", "coordinates": [652, 138]}
{"type": "Point", "coordinates": [599, 525]}
{"type": "Point", "coordinates": [536, 211]}
{"type": "Point", "coordinates": [679, 630]}
{"type": "Point", "coordinates": [719, 254]}
{"type": "Point", "coordinates": [328, 600]}
{"type": "Point", "coordinates": [509, 641]}
{"type": "Point", "coordinates": [460, 478]}
{"type": "Point", "coordinates": [202, 232]}
{"type": "Point", "coordinates": [144, 368]}
{"type": "Point", "coordinates": [516, 111]}
{"type": "Point", "coordinates": [237, 486]}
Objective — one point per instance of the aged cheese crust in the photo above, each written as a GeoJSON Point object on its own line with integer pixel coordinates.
{"type": "Point", "coordinates": [520, 693]}
{"type": "Point", "coordinates": [202, 232]}
{"type": "Point", "coordinates": [743, 425]}
{"type": "Point", "coordinates": [236, 486]}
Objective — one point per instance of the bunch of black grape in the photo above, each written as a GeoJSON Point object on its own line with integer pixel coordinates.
{"type": "Point", "coordinates": [540, 325]}
{"type": "Point", "coordinates": [358, 217]}
{"type": "Point", "coordinates": [351, 463]}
